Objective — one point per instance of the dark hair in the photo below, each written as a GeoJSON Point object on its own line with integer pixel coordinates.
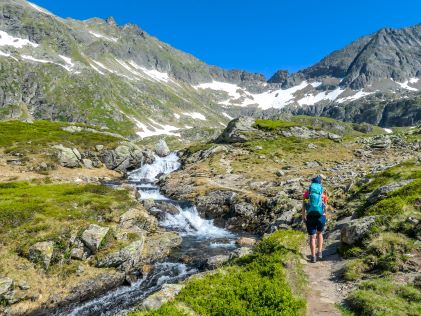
{"type": "Point", "coordinates": [317, 179]}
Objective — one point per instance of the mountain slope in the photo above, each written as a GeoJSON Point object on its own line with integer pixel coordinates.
{"type": "Point", "coordinates": [122, 79]}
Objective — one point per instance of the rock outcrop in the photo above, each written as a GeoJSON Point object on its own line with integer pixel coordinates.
{"type": "Point", "coordinates": [355, 230]}
{"type": "Point", "coordinates": [42, 253]}
{"type": "Point", "coordinates": [94, 236]}
{"type": "Point", "coordinates": [237, 129]}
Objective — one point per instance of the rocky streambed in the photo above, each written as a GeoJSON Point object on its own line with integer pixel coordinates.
{"type": "Point", "coordinates": [203, 244]}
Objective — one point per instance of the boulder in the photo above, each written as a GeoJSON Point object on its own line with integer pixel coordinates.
{"type": "Point", "coordinates": [42, 253]}
{"type": "Point", "coordinates": [127, 259]}
{"type": "Point", "coordinates": [356, 230]}
{"type": "Point", "coordinates": [93, 237]}
{"type": "Point", "coordinates": [67, 157]}
{"type": "Point", "coordinates": [6, 289]}
{"type": "Point", "coordinates": [161, 148]}
{"type": "Point", "coordinates": [241, 252]}
{"type": "Point", "coordinates": [383, 191]}
{"type": "Point", "coordinates": [246, 242]}
{"type": "Point", "coordinates": [217, 261]}
{"type": "Point", "coordinates": [237, 130]}
{"type": "Point", "coordinates": [99, 147]}
{"type": "Point", "coordinates": [138, 217]}
{"type": "Point", "coordinates": [168, 207]}
{"type": "Point", "coordinates": [87, 163]}
{"type": "Point", "coordinates": [166, 294]}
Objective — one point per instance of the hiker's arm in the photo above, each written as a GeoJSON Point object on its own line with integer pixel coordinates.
{"type": "Point", "coordinates": [303, 212]}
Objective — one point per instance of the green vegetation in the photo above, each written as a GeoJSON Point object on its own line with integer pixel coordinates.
{"type": "Point", "coordinates": [385, 297]}
{"type": "Point", "coordinates": [273, 124]}
{"type": "Point", "coordinates": [16, 136]}
{"type": "Point", "coordinates": [32, 212]}
{"type": "Point", "coordinates": [256, 284]}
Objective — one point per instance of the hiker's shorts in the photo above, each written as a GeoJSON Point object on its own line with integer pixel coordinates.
{"type": "Point", "coordinates": [315, 224]}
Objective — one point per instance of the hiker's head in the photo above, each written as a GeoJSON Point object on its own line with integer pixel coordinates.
{"type": "Point", "coordinates": [316, 179]}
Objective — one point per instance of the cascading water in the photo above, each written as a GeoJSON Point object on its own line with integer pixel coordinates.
{"type": "Point", "coordinates": [201, 239]}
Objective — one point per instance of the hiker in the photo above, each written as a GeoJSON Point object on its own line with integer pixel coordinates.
{"type": "Point", "coordinates": [314, 215]}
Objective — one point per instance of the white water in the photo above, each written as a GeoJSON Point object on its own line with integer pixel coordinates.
{"type": "Point", "coordinates": [162, 165]}
{"type": "Point", "coordinates": [200, 238]}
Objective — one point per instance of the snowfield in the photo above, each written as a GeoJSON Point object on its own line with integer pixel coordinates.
{"type": "Point", "coordinates": [9, 40]}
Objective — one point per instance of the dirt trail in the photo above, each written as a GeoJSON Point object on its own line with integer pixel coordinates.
{"type": "Point", "coordinates": [325, 286]}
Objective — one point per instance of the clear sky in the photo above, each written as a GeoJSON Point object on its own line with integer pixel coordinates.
{"type": "Point", "coordinates": [255, 35]}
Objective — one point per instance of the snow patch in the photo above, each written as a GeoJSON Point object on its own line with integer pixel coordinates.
{"type": "Point", "coordinates": [316, 84]}
{"type": "Point", "coordinates": [96, 69]}
{"type": "Point", "coordinates": [227, 116]}
{"type": "Point", "coordinates": [388, 130]}
{"type": "Point", "coordinates": [36, 60]}
{"type": "Point", "coordinates": [230, 88]}
{"type": "Point", "coordinates": [69, 64]}
{"type": "Point", "coordinates": [177, 116]}
{"type": "Point", "coordinates": [44, 61]}
{"type": "Point", "coordinates": [102, 36]}
{"type": "Point", "coordinates": [310, 99]}
{"type": "Point", "coordinates": [152, 73]}
{"type": "Point", "coordinates": [156, 129]}
{"type": "Point", "coordinates": [360, 94]}
{"type": "Point", "coordinates": [196, 115]}
{"type": "Point", "coordinates": [9, 40]}
{"type": "Point", "coordinates": [405, 84]}
{"type": "Point", "coordinates": [42, 10]}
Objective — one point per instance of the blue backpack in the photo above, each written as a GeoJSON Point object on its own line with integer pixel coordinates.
{"type": "Point", "coordinates": [315, 206]}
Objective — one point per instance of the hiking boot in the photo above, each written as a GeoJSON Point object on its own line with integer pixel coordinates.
{"type": "Point", "coordinates": [313, 259]}
{"type": "Point", "coordinates": [319, 256]}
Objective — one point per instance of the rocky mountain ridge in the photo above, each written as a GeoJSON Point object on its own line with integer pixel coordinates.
{"type": "Point", "coordinates": [122, 79]}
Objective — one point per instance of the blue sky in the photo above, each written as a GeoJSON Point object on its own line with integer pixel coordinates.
{"type": "Point", "coordinates": [255, 35]}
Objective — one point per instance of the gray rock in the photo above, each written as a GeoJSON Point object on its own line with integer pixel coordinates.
{"type": "Point", "coordinates": [6, 288]}
{"type": "Point", "coordinates": [161, 148]}
{"type": "Point", "coordinates": [139, 218]}
{"type": "Point", "coordinates": [127, 259]}
{"type": "Point", "coordinates": [93, 237]}
{"type": "Point", "coordinates": [280, 173]}
{"type": "Point", "coordinates": [240, 252]}
{"type": "Point", "coordinates": [313, 164]}
{"type": "Point", "coordinates": [217, 261]}
{"type": "Point", "coordinates": [383, 191]}
{"type": "Point", "coordinates": [168, 207]}
{"type": "Point", "coordinates": [42, 253]}
{"type": "Point", "coordinates": [165, 295]}
{"type": "Point", "coordinates": [23, 286]}
{"type": "Point", "coordinates": [356, 230]}
{"type": "Point", "coordinates": [67, 157]}
{"type": "Point", "coordinates": [237, 129]}
{"type": "Point", "coordinates": [88, 163]}
{"type": "Point", "coordinates": [99, 147]}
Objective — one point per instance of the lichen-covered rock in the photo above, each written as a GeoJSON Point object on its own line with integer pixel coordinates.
{"type": "Point", "coordinates": [240, 252]}
{"type": "Point", "coordinates": [217, 261]}
{"type": "Point", "coordinates": [246, 242]}
{"type": "Point", "coordinates": [357, 229]}
{"type": "Point", "coordinates": [161, 148]}
{"type": "Point", "coordinates": [126, 259]}
{"type": "Point", "coordinates": [6, 289]}
{"type": "Point", "coordinates": [237, 129]}
{"type": "Point", "coordinates": [166, 294]}
{"type": "Point", "coordinates": [93, 237]}
{"type": "Point", "coordinates": [138, 217]}
{"type": "Point", "coordinates": [67, 157]}
{"type": "Point", "coordinates": [383, 191]}
{"type": "Point", "coordinates": [42, 253]}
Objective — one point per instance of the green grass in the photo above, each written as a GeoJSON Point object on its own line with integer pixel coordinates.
{"type": "Point", "coordinates": [253, 285]}
{"type": "Point", "coordinates": [273, 124]}
{"type": "Point", "coordinates": [31, 212]}
{"type": "Point", "coordinates": [385, 297]}
{"type": "Point", "coordinates": [22, 137]}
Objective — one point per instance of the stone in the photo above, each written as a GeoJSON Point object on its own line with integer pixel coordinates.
{"type": "Point", "coordinates": [280, 173]}
{"type": "Point", "coordinates": [6, 287]}
{"type": "Point", "coordinates": [165, 295]}
{"type": "Point", "coordinates": [93, 237]}
{"type": "Point", "coordinates": [161, 148]}
{"type": "Point", "coordinates": [99, 147]}
{"type": "Point", "coordinates": [147, 204]}
{"type": "Point", "coordinates": [138, 217]}
{"type": "Point", "coordinates": [217, 261]}
{"type": "Point", "coordinates": [356, 230]}
{"type": "Point", "coordinates": [240, 252]}
{"type": "Point", "coordinates": [237, 130]}
{"type": "Point", "coordinates": [383, 191]}
{"type": "Point", "coordinates": [67, 157]}
{"type": "Point", "coordinates": [42, 253]}
{"type": "Point", "coordinates": [168, 207]}
{"type": "Point", "coordinates": [23, 286]}
{"type": "Point", "coordinates": [311, 146]}
{"type": "Point", "coordinates": [127, 259]}
{"type": "Point", "coordinates": [88, 163]}
{"type": "Point", "coordinates": [246, 242]}
{"type": "Point", "coordinates": [77, 253]}
{"type": "Point", "coordinates": [313, 164]}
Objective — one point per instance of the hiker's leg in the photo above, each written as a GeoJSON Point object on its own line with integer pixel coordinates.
{"type": "Point", "coordinates": [313, 245]}
{"type": "Point", "coordinates": [319, 242]}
